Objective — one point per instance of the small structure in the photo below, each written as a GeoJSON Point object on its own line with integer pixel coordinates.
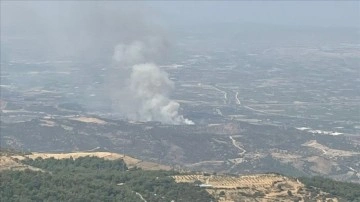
{"type": "Point", "coordinates": [205, 185]}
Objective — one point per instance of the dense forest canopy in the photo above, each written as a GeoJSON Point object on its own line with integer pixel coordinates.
{"type": "Point", "coordinates": [94, 179]}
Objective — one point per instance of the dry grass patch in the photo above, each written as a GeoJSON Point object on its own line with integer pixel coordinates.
{"type": "Point", "coordinates": [130, 161]}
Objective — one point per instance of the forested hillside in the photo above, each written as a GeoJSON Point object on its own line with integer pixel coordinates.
{"type": "Point", "coordinates": [94, 179]}
{"type": "Point", "coordinates": [97, 179]}
{"type": "Point", "coordinates": [346, 190]}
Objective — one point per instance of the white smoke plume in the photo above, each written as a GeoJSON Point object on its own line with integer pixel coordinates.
{"type": "Point", "coordinates": [147, 88]}
{"type": "Point", "coordinates": [88, 31]}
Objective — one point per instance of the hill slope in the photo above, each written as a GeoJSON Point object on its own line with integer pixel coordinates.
{"type": "Point", "coordinates": [100, 176]}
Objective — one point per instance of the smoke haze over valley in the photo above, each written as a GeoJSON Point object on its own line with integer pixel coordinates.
{"type": "Point", "coordinates": [228, 87]}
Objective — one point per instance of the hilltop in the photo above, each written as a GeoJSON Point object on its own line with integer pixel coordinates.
{"type": "Point", "coordinates": [216, 187]}
{"type": "Point", "coordinates": [130, 161]}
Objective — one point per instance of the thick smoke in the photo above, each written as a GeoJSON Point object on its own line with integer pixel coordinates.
{"type": "Point", "coordinates": [88, 32]}
{"type": "Point", "coordinates": [147, 87]}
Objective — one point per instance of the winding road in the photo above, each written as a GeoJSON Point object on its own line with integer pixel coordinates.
{"type": "Point", "coordinates": [141, 197]}
{"type": "Point", "coordinates": [237, 98]}
{"type": "Point", "coordinates": [243, 151]}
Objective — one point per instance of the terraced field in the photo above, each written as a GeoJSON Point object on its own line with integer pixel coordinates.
{"type": "Point", "coordinates": [261, 187]}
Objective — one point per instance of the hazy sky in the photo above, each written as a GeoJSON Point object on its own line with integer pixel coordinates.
{"type": "Point", "coordinates": [313, 13]}
{"type": "Point", "coordinates": [83, 27]}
